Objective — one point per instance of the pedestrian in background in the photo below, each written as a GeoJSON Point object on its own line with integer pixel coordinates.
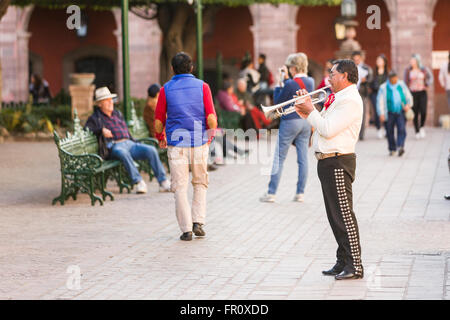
{"type": "Point", "coordinates": [380, 76]}
{"type": "Point", "coordinates": [112, 132]}
{"type": "Point", "coordinates": [418, 78]}
{"type": "Point", "coordinates": [326, 80]}
{"type": "Point", "coordinates": [150, 106]}
{"type": "Point", "coordinates": [365, 74]}
{"type": "Point", "coordinates": [249, 73]}
{"type": "Point", "coordinates": [39, 89]}
{"type": "Point", "coordinates": [293, 129]}
{"type": "Point", "coordinates": [444, 79]}
{"type": "Point", "coordinates": [394, 99]}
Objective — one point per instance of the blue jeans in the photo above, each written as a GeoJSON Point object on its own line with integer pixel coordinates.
{"type": "Point", "coordinates": [128, 150]}
{"type": "Point", "coordinates": [295, 131]}
{"type": "Point", "coordinates": [396, 120]}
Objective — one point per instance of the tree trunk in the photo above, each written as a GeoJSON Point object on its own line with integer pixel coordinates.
{"type": "Point", "coordinates": [3, 7]}
{"type": "Point", "coordinates": [172, 20]}
{"type": "Point", "coordinates": [178, 26]}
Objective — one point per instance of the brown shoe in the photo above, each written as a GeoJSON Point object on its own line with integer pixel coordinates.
{"type": "Point", "coordinates": [198, 230]}
{"type": "Point", "coordinates": [187, 236]}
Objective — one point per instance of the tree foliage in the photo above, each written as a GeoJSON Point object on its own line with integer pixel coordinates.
{"type": "Point", "coordinates": [106, 4]}
{"type": "Point", "coordinates": [175, 18]}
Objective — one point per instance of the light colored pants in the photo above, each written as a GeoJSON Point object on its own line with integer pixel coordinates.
{"type": "Point", "coordinates": [179, 161]}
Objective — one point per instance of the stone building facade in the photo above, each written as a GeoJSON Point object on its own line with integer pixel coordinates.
{"type": "Point", "coordinates": [408, 26]}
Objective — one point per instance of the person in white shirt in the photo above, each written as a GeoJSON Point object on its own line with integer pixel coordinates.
{"type": "Point", "coordinates": [336, 132]}
{"type": "Point", "coordinates": [444, 79]}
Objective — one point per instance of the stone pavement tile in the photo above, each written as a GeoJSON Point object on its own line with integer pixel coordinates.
{"type": "Point", "coordinates": [356, 284]}
{"type": "Point", "coordinates": [374, 290]}
{"type": "Point", "coordinates": [267, 295]}
{"type": "Point", "coordinates": [390, 281]}
{"type": "Point", "coordinates": [383, 296]}
{"type": "Point", "coordinates": [355, 296]}
{"type": "Point", "coordinates": [307, 296]}
{"type": "Point", "coordinates": [392, 271]}
{"type": "Point", "coordinates": [250, 248]}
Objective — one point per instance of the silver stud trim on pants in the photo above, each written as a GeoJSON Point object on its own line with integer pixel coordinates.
{"type": "Point", "coordinates": [348, 220]}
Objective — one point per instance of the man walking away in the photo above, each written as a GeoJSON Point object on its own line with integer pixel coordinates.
{"type": "Point", "coordinates": [186, 109]}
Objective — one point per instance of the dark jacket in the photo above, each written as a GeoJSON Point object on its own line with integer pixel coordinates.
{"type": "Point", "coordinates": [364, 87]}
{"type": "Point", "coordinates": [265, 73]}
{"type": "Point", "coordinates": [377, 81]}
{"type": "Point", "coordinates": [95, 125]}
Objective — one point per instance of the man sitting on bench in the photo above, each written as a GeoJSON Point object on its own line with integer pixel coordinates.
{"type": "Point", "coordinates": [109, 124]}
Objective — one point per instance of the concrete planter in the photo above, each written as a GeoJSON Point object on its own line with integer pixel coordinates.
{"type": "Point", "coordinates": [82, 79]}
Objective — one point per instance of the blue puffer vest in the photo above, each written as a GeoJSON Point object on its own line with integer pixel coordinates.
{"type": "Point", "coordinates": [185, 112]}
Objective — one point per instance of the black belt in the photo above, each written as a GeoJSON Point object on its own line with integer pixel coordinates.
{"type": "Point", "coordinates": [321, 156]}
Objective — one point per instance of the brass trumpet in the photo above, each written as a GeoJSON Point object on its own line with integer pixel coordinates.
{"type": "Point", "coordinates": [278, 108]}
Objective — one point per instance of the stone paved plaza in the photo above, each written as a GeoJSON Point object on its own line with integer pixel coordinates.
{"type": "Point", "coordinates": [130, 248]}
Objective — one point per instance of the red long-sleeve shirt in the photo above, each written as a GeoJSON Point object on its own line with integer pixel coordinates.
{"type": "Point", "coordinates": [258, 117]}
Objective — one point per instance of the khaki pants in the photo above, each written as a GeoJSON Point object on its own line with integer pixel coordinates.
{"type": "Point", "coordinates": [179, 161]}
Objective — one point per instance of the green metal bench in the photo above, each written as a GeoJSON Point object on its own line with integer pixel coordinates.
{"type": "Point", "coordinates": [82, 169]}
{"type": "Point", "coordinates": [227, 119]}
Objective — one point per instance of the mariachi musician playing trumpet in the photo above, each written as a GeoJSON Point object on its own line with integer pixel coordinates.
{"type": "Point", "coordinates": [293, 129]}
{"type": "Point", "coordinates": [336, 132]}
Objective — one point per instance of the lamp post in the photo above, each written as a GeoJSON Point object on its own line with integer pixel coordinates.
{"type": "Point", "coordinates": [125, 62]}
{"type": "Point", "coordinates": [345, 29]}
{"type": "Point", "coordinates": [348, 8]}
{"type": "Point", "coordinates": [348, 12]}
{"type": "Point", "coordinates": [199, 21]}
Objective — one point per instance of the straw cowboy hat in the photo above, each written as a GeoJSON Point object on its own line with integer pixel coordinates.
{"type": "Point", "coordinates": [103, 93]}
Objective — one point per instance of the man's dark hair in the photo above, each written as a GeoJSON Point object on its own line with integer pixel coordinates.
{"type": "Point", "coordinates": [347, 65]}
{"type": "Point", "coordinates": [227, 84]}
{"type": "Point", "coordinates": [356, 53]}
{"type": "Point", "coordinates": [262, 56]}
{"type": "Point", "coordinates": [392, 74]}
{"type": "Point", "coordinates": [153, 90]}
{"type": "Point", "coordinates": [182, 63]}
{"type": "Point", "coordinates": [245, 63]}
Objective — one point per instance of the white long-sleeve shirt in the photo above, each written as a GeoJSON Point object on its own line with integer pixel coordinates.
{"type": "Point", "coordinates": [337, 128]}
{"type": "Point", "coordinates": [444, 76]}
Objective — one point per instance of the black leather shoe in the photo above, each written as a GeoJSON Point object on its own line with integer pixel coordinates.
{"type": "Point", "coordinates": [198, 230]}
{"type": "Point", "coordinates": [212, 167]}
{"type": "Point", "coordinates": [333, 271]}
{"type": "Point", "coordinates": [187, 236]}
{"type": "Point", "coordinates": [345, 275]}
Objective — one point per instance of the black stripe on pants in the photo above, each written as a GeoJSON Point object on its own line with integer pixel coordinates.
{"type": "Point", "coordinates": [336, 175]}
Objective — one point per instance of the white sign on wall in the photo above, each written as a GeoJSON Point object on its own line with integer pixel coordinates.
{"type": "Point", "coordinates": [439, 58]}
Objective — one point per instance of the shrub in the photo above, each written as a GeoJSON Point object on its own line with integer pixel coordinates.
{"type": "Point", "coordinates": [36, 118]}
{"type": "Point", "coordinates": [139, 105]}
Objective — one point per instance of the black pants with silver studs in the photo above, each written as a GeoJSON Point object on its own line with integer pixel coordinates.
{"type": "Point", "coordinates": [336, 175]}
